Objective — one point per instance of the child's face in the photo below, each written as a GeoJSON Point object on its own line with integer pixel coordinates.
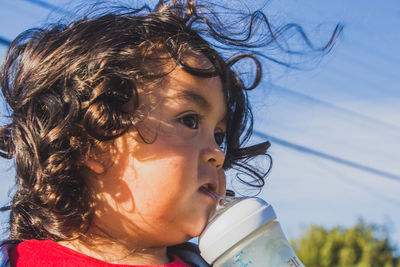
{"type": "Point", "coordinates": [152, 193]}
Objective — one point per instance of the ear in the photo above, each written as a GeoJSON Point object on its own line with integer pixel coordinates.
{"type": "Point", "coordinates": [94, 165]}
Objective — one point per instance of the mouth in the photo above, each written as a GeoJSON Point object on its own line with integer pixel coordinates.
{"type": "Point", "coordinates": [210, 190]}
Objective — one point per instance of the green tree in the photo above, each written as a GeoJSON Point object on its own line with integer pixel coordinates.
{"type": "Point", "coordinates": [363, 245]}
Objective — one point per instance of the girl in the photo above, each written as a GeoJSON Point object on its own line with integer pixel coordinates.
{"type": "Point", "coordinates": [121, 128]}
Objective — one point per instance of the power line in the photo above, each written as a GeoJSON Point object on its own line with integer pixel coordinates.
{"type": "Point", "coordinates": [43, 4]}
{"type": "Point", "coordinates": [4, 41]}
{"type": "Point", "coordinates": [326, 156]}
{"type": "Point", "coordinates": [334, 107]}
{"type": "Point", "coordinates": [49, 6]}
{"type": "Point", "coordinates": [351, 180]}
{"type": "Point", "coordinates": [57, 9]}
{"type": "Point", "coordinates": [282, 142]}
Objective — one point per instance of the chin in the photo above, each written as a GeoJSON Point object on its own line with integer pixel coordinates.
{"type": "Point", "coordinates": [199, 227]}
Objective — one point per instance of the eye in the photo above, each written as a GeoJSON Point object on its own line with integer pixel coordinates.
{"type": "Point", "coordinates": [219, 138]}
{"type": "Point", "coordinates": [191, 121]}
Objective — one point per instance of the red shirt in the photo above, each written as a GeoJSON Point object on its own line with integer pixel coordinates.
{"type": "Point", "coordinates": [47, 253]}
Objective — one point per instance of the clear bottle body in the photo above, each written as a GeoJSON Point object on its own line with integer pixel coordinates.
{"type": "Point", "coordinates": [267, 246]}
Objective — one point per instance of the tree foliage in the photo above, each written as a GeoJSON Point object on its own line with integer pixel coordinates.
{"type": "Point", "coordinates": [363, 245]}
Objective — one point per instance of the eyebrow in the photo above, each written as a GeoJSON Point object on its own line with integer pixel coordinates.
{"type": "Point", "coordinates": [195, 98]}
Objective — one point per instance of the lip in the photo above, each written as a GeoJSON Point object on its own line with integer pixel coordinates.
{"type": "Point", "coordinates": [208, 193]}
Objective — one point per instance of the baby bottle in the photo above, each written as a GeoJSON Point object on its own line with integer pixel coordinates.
{"type": "Point", "coordinates": [244, 232]}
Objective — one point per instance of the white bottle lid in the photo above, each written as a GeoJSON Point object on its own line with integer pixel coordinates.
{"type": "Point", "coordinates": [232, 225]}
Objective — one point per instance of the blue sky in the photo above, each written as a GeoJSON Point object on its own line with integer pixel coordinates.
{"type": "Point", "coordinates": [335, 128]}
{"type": "Point", "coordinates": [347, 107]}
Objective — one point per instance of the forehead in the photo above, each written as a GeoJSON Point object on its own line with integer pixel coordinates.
{"type": "Point", "coordinates": [182, 80]}
{"type": "Point", "coordinates": [181, 84]}
{"type": "Point", "coordinates": [182, 89]}
{"type": "Point", "coordinates": [196, 59]}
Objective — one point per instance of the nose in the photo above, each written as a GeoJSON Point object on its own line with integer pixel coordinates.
{"type": "Point", "coordinates": [214, 155]}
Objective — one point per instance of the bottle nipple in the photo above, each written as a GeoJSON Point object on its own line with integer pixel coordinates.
{"type": "Point", "coordinates": [223, 203]}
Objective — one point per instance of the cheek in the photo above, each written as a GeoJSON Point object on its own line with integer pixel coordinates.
{"type": "Point", "coordinates": [222, 182]}
{"type": "Point", "coordinates": [165, 178]}
{"type": "Point", "coordinates": [178, 170]}
{"type": "Point", "coordinates": [173, 163]}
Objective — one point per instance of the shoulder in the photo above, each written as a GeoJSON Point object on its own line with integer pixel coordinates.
{"type": "Point", "coordinates": [6, 246]}
{"type": "Point", "coordinates": [189, 253]}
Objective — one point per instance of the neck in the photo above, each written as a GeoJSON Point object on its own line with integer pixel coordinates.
{"type": "Point", "coordinates": [117, 252]}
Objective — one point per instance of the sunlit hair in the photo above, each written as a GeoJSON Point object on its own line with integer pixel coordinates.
{"type": "Point", "coordinates": [67, 85]}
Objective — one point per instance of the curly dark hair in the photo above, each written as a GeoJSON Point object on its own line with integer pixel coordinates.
{"type": "Point", "coordinates": [66, 85]}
